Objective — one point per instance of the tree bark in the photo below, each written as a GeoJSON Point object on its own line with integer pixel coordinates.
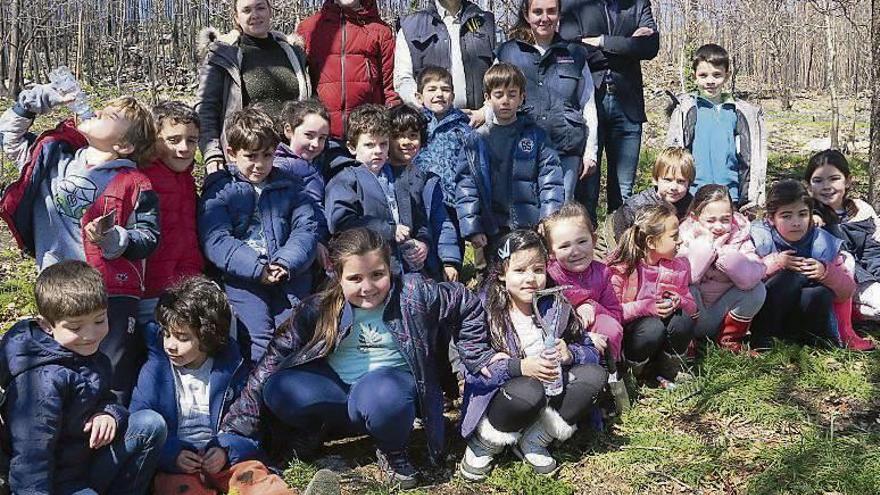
{"type": "Point", "coordinates": [874, 159]}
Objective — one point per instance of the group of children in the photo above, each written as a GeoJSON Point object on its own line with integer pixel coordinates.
{"type": "Point", "coordinates": [338, 305]}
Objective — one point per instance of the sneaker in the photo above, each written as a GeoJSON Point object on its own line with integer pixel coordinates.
{"type": "Point", "coordinates": [395, 466]}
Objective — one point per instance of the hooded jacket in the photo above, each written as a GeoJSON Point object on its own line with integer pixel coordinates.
{"type": "Point", "coordinates": [312, 180]}
{"type": "Point", "coordinates": [351, 59]}
{"type": "Point", "coordinates": [639, 291]}
{"type": "Point", "coordinates": [591, 286]}
{"type": "Point", "coordinates": [220, 84]}
{"type": "Point", "coordinates": [52, 394]}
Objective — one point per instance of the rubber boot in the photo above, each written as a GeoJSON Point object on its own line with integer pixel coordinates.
{"type": "Point", "coordinates": [848, 335]}
{"type": "Point", "coordinates": [672, 367]}
{"type": "Point", "coordinates": [482, 447]}
{"type": "Point", "coordinates": [733, 331]}
{"type": "Point", "coordinates": [533, 445]}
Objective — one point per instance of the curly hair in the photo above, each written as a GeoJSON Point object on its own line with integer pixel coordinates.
{"type": "Point", "coordinates": [197, 303]}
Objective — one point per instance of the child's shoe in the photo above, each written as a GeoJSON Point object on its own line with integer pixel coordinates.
{"type": "Point", "coordinates": [732, 332]}
{"type": "Point", "coordinates": [532, 447]}
{"type": "Point", "coordinates": [397, 469]}
{"type": "Point", "coordinates": [482, 447]}
{"type": "Point", "coordinates": [672, 367]}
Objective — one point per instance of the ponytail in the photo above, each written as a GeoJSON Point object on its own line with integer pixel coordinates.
{"type": "Point", "coordinates": [633, 245]}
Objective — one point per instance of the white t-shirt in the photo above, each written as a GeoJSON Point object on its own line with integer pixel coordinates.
{"type": "Point", "coordinates": [531, 339]}
{"type": "Point", "coordinates": [193, 404]}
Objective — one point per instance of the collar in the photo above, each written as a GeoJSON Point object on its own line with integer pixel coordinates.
{"type": "Point", "coordinates": [443, 13]}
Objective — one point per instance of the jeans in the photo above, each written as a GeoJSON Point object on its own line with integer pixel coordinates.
{"type": "Point", "coordinates": [646, 337]}
{"type": "Point", "coordinates": [571, 171]}
{"type": "Point", "coordinates": [127, 465]}
{"type": "Point", "coordinates": [124, 346]}
{"type": "Point", "coordinates": [381, 404]}
{"type": "Point", "coordinates": [621, 138]}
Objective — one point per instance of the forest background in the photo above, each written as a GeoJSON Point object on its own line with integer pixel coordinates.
{"type": "Point", "coordinates": [795, 420]}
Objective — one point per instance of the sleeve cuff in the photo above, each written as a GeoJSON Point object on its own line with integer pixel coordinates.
{"type": "Point", "coordinates": [514, 367]}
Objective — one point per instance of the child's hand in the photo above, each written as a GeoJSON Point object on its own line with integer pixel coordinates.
{"type": "Point", "coordinates": [214, 165]}
{"type": "Point", "coordinates": [664, 307]}
{"type": "Point", "coordinates": [477, 117]}
{"type": "Point", "coordinates": [499, 356]}
{"type": "Point", "coordinates": [600, 341]}
{"type": "Point", "coordinates": [789, 261]}
{"type": "Point", "coordinates": [450, 274]}
{"type": "Point", "coordinates": [103, 429]}
{"type": "Point", "coordinates": [478, 240]}
{"type": "Point", "coordinates": [214, 460]}
{"type": "Point", "coordinates": [813, 269]}
{"type": "Point", "coordinates": [402, 233]}
{"type": "Point", "coordinates": [587, 314]}
{"type": "Point", "coordinates": [188, 461]}
{"type": "Point", "coordinates": [93, 231]}
{"type": "Point", "coordinates": [589, 167]}
{"type": "Point", "coordinates": [324, 257]}
{"type": "Point", "coordinates": [266, 275]}
{"type": "Point", "coordinates": [277, 273]}
{"type": "Point", "coordinates": [721, 241]}
{"type": "Point", "coordinates": [41, 98]}
{"type": "Point", "coordinates": [562, 351]}
{"type": "Point", "coordinates": [420, 254]}
{"type": "Point", "coordinates": [539, 367]}
{"type": "Point", "coordinates": [818, 221]}
{"type": "Point", "coordinates": [642, 31]}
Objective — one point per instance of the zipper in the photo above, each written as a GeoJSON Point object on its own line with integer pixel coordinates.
{"type": "Point", "coordinates": [342, 71]}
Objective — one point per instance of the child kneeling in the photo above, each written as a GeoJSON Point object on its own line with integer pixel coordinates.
{"type": "Point", "coordinates": [67, 432]}
{"type": "Point", "coordinates": [526, 414]}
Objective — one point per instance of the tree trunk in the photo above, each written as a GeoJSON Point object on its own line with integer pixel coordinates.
{"type": "Point", "coordinates": [15, 51]}
{"type": "Point", "coordinates": [830, 59]}
{"type": "Point", "coordinates": [874, 160]}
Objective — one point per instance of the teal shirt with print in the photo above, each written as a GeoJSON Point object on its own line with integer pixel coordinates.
{"type": "Point", "coordinates": [368, 347]}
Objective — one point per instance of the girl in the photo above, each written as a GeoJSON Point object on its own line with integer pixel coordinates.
{"type": "Point", "coordinates": [854, 221]}
{"type": "Point", "coordinates": [724, 266]}
{"type": "Point", "coordinates": [652, 285]}
{"type": "Point", "coordinates": [359, 358]}
{"type": "Point", "coordinates": [522, 413]}
{"type": "Point", "coordinates": [805, 271]}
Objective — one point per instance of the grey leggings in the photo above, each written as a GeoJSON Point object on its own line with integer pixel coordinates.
{"type": "Point", "coordinates": [745, 304]}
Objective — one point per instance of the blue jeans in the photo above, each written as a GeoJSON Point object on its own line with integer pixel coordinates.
{"type": "Point", "coordinates": [620, 138]}
{"type": "Point", "coordinates": [571, 170]}
{"type": "Point", "coordinates": [127, 465]}
{"type": "Point", "coordinates": [381, 404]}
{"type": "Point", "coordinates": [124, 346]}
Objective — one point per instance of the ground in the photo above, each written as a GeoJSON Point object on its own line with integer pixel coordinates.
{"type": "Point", "coordinates": [792, 421]}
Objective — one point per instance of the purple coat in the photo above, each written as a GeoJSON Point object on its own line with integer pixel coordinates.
{"type": "Point", "coordinates": [479, 390]}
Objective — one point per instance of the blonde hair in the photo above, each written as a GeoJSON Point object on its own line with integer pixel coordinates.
{"type": "Point", "coordinates": [633, 247]}
{"type": "Point", "coordinates": [571, 210]}
{"type": "Point", "coordinates": [677, 160]}
{"type": "Point", "coordinates": [141, 133]}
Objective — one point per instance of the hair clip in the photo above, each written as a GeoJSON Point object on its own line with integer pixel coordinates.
{"type": "Point", "coordinates": [504, 251]}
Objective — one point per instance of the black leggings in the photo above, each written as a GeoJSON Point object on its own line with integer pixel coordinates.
{"type": "Point", "coordinates": [646, 337]}
{"type": "Point", "coordinates": [520, 400]}
{"type": "Point", "coordinates": [796, 309]}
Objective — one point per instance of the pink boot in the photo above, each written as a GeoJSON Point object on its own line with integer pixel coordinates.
{"type": "Point", "coordinates": [849, 337]}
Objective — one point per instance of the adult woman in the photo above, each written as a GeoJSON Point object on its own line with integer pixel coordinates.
{"type": "Point", "coordinates": [250, 65]}
{"type": "Point", "coordinates": [359, 358]}
{"type": "Point", "coordinates": [559, 90]}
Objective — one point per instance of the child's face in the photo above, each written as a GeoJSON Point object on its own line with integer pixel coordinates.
{"type": "Point", "coordinates": [365, 280]}
{"type": "Point", "coordinates": [505, 102]}
{"type": "Point", "coordinates": [792, 221]}
{"type": "Point", "coordinates": [829, 185]}
{"type": "Point", "coordinates": [717, 217]}
{"type": "Point", "coordinates": [183, 347]}
{"type": "Point", "coordinates": [308, 139]}
{"type": "Point", "coordinates": [106, 131]}
{"type": "Point", "coordinates": [671, 186]}
{"type": "Point", "coordinates": [665, 245]}
{"type": "Point", "coordinates": [526, 274]}
{"type": "Point", "coordinates": [436, 96]}
{"type": "Point", "coordinates": [405, 147]}
{"type": "Point", "coordinates": [371, 150]}
{"type": "Point", "coordinates": [571, 244]}
{"type": "Point", "coordinates": [80, 334]}
{"type": "Point", "coordinates": [253, 165]}
{"type": "Point", "coordinates": [176, 146]}
{"type": "Point", "coordinates": [710, 78]}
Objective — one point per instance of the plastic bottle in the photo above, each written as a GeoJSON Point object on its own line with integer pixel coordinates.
{"type": "Point", "coordinates": [553, 388]}
{"type": "Point", "coordinates": [65, 83]}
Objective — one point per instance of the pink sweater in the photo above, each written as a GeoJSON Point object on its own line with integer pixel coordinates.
{"type": "Point", "coordinates": [591, 286]}
{"type": "Point", "coordinates": [638, 293]}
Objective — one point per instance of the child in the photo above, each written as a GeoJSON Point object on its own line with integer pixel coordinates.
{"type": "Point", "coordinates": [178, 254]}
{"type": "Point", "coordinates": [80, 196]}
{"type": "Point", "coordinates": [569, 236]}
{"type": "Point", "coordinates": [67, 431]}
{"type": "Point", "coordinates": [509, 177]}
{"type": "Point", "coordinates": [805, 271]}
{"type": "Point", "coordinates": [726, 135]}
{"type": "Point", "coordinates": [524, 413]}
{"type": "Point", "coordinates": [373, 194]}
{"type": "Point", "coordinates": [259, 228]}
{"type": "Point", "coordinates": [652, 286]}
{"type": "Point", "coordinates": [724, 266]}
{"type": "Point", "coordinates": [408, 132]}
{"type": "Point", "coordinates": [672, 175]}
{"type": "Point", "coordinates": [359, 357]}
{"type": "Point", "coordinates": [854, 221]}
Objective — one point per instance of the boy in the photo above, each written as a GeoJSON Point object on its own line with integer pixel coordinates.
{"type": "Point", "coordinates": [509, 177]}
{"type": "Point", "coordinates": [725, 135]}
{"type": "Point", "coordinates": [80, 196]}
{"type": "Point", "coordinates": [672, 175]}
{"type": "Point", "coordinates": [66, 431]}
{"type": "Point", "coordinates": [259, 228]}
{"type": "Point", "coordinates": [373, 194]}
{"type": "Point", "coordinates": [178, 255]}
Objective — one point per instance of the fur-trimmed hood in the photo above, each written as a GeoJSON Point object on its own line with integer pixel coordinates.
{"type": "Point", "coordinates": [209, 35]}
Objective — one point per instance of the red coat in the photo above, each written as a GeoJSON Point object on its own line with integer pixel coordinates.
{"type": "Point", "coordinates": [177, 255]}
{"type": "Point", "coordinates": [350, 73]}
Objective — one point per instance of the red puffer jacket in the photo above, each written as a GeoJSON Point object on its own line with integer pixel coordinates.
{"type": "Point", "coordinates": [177, 255]}
{"type": "Point", "coordinates": [350, 55]}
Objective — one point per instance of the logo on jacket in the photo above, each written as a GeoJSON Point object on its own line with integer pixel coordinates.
{"type": "Point", "coordinates": [527, 145]}
{"type": "Point", "coordinates": [74, 195]}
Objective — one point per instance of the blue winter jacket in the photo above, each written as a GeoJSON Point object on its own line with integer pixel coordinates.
{"type": "Point", "coordinates": [418, 312]}
{"type": "Point", "coordinates": [536, 188]}
{"type": "Point", "coordinates": [156, 390]}
{"type": "Point", "coordinates": [442, 151]}
{"type": "Point", "coordinates": [289, 221]}
{"type": "Point", "coordinates": [445, 246]}
{"type": "Point", "coordinates": [53, 393]}
{"type": "Point", "coordinates": [313, 181]}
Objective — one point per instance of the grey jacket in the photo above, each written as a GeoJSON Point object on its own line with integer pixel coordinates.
{"type": "Point", "coordinates": [219, 91]}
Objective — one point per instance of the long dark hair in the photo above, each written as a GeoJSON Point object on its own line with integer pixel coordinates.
{"type": "Point", "coordinates": [522, 30]}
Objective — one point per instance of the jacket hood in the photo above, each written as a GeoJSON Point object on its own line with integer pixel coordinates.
{"type": "Point", "coordinates": [284, 151]}
{"type": "Point", "coordinates": [859, 210]}
{"type": "Point", "coordinates": [27, 346]}
{"type": "Point", "coordinates": [368, 11]}
{"type": "Point", "coordinates": [210, 35]}
{"type": "Point", "coordinates": [740, 229]}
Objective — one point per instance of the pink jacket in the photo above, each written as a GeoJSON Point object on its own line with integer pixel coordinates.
{"type": "Point", "coordinates": [639, 292]}
{"type": "Point", "coordinates": [717, 269]}
{"type": "Point", "coordinates": [592, 286]}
